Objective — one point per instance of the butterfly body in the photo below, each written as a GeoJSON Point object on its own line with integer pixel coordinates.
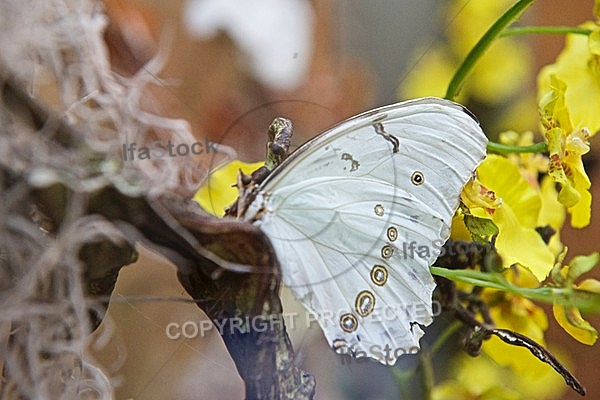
{"type": "Point", "coordinates": [358, 214]}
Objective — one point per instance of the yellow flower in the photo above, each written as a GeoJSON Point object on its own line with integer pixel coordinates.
{"type": "Point", "coordinates": [518, 314]}
{"type": "Point", "coordinates": [476, 195]}
{"type": "Point", "coordinates": [552, 213]}
{"type": "Point", "coordinates": [435, 68]}
{"type": "Point", "coordinates": [219, 191]}
{"type": "Point", "coordinates": [566, 145]}
{"type": "Point", "coordinates": [569, 317]}
{"type": "Point", "coordinates": [530, 164]}
{"type": "Point", "coordinates": [578, 66]}
{"type": "Point", "coordinates": [482, 378]}
{"type": "Point", "coordinates": [494, 79]}
{"type": "Point", "coordinates": [517, 217]}
{"type": "Point", "coordinates": [467, 22]}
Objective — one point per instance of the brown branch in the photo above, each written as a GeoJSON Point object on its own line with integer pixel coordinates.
{"type": "Point", "coordinates": [260, 347]}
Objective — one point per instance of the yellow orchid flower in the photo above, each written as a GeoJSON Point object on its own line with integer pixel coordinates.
{"type": "Point", "coordinates": [566, 145]}
{"type": "Point", "coordinates": [518, 314]}
{"type": "Point", "coordinates": [530, 164]}
{"type": "Point", "coordinates": [476, 195]}
{"type": "Point", "coordinates": [578, 66]}
{"type": "Point", "coordinates": [495, 78]}
{"type": "Point", "coordinates": [517, 217]}
{"type": "Point", "coordinates": [552, 213]}
{"type": "Point", "coordinates": [482, 378]}
{"type": "Point", "coordinates": [569, 317]}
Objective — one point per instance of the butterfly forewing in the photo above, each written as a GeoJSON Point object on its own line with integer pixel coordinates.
{"type": "Point", "coordinates": [357, 215]}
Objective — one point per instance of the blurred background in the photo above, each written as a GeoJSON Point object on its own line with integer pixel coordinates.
{"type": "Point", "coordinates": [231, 67]}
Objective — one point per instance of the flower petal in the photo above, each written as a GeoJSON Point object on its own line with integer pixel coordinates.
{"type": "Point", "coordinates": [517, 244]}
{"type": "Point", "coordinates": [503, 177]}
{"type": "Point", "coordinates": [218, 192]}
{"type": "Point", "coordinates": [517, 218]}
{"type": "Point", "coordinates": [571, 321]}
{"type": "Point", "coordinates": [579, 69]}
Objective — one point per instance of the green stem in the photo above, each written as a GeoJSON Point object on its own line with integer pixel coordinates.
{"type": "Point", "coordinates": [428, 375]}
{"type": "Point", "coordinates": [403, 379]}
{"type": "Point", "coordinates": [494, 147]}
{"type": "Point", "coordinates": [444, 336]}
{"type": "Point", "coordinates": [484, 43]}
{"type": "Point", "coordinates": [584, 300]}
{"type": "Point", "coordinates": [552, 30]}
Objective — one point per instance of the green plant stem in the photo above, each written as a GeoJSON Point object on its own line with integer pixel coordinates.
{"type": "Point", "coordinates": [428, 375]}
{"type": "Point", "coordinates": [444, 336]}
{"type": "Point", "coordinates": [402, 380]}
{"type": "Point", "coordinates": [585, 301]}
{"type": "Point", "coordinates": [483, 44]}
{"type": "Point", "coordinates": [551, 30]}
{"type": "Point", "coordinates": [494, 147]}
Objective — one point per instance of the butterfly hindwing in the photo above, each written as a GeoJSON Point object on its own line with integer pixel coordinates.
{"type": "Point", "coordinates": [357, 215]}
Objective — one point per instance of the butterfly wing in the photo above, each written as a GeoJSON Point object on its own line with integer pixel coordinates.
{"type": "Point", "coordinates": [358, 214]}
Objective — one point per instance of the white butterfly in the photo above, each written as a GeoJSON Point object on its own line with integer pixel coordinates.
{"type": "Point", "coordinates": [358, 214]}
